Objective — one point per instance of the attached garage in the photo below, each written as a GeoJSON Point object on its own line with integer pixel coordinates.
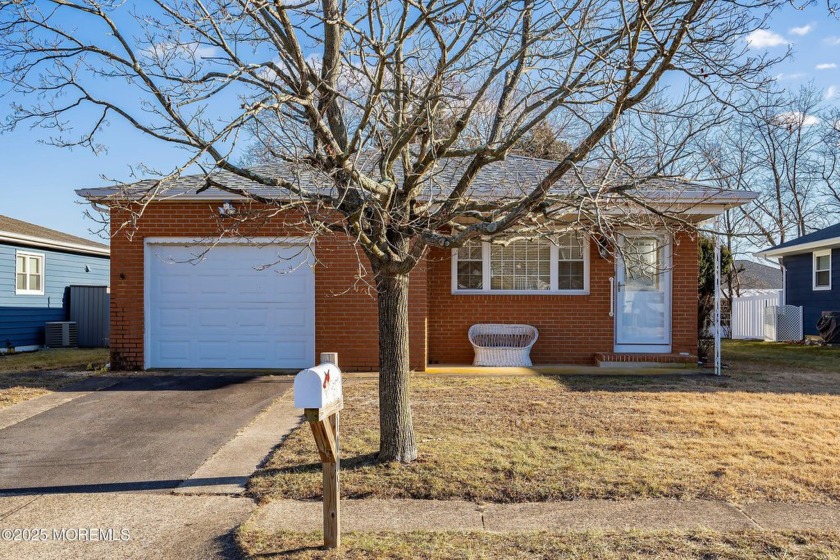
{"type": "Point", "coordinates": [234, 305]}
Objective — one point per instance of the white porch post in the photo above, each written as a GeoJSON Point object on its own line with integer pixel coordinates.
{"type": "Point", "coordinates": [717, 297]}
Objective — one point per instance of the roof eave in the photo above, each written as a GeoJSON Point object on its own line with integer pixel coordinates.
{"type": "Point", "coordinates": [17, 238]}
{"type": "Point", "coordinates": [831, 243]}
{"type": "Point", "coordinates": [720, 204]}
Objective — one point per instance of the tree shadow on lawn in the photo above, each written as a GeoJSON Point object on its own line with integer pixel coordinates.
{"type": "Point", "coordinates": [752, 378]}
{"type": "Point", "coordinates": [228, 547]}
{"type": "Point", "coordinates": [347, 464]}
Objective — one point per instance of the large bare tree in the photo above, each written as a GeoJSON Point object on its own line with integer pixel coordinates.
{"type": "Point", "coordinates": [785, 146]}
{"type": "Point", "coordinates": [396, 106]}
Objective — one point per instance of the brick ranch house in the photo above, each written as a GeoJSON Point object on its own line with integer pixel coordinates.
{"type": "Point", "coordinates": [175, 304]}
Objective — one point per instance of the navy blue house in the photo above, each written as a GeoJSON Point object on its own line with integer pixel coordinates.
{"type": "Point", "coordinates": [811, 265]}
{"type": "Point", "coordinates": [37, 267]}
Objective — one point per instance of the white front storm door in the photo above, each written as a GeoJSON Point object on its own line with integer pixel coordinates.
{"type": "Point", "coordinates": [643, 294]}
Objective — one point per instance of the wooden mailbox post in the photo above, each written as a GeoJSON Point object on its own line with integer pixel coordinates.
{"type": "Point", "coordinates": [319, 393]}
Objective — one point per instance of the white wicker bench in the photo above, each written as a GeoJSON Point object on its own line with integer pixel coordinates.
{"type": "Point", "coordinates": [502, 345]}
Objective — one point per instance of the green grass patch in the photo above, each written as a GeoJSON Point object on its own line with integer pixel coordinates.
{"type": "Point", "coordinates": [54, 358]}
{"type": "Point", "coordinates": [781, 354]}
{"type": "Point", "coordinates": [26, 375]}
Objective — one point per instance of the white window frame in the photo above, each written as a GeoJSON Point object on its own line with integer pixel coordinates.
{"type": "Point", "coordinates": [43, 259]}
{"type": "Point", "coordinates": [554, 268]}
{"type": "Point", "coordinates": [816, 254]}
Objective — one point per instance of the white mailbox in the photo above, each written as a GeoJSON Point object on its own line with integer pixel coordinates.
{"type": "Point", "coordinates": [318, 387]}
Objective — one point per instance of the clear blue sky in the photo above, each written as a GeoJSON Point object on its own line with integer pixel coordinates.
{"type": "Point", "coordinates": [38, 181]}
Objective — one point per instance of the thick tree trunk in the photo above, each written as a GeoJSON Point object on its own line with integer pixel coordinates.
{"type": "Point", "coordinates": [396, 431]}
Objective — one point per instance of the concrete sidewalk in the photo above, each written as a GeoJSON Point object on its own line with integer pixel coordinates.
{"type": "Point", "coordinates": [120, 525]}
{"type": "Point", "coordinates": [578, 515]}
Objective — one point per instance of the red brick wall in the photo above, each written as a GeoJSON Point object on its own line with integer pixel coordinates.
{"type": "Point", "coordinates": [572, 327]}
{"type": "Point", "coordinates": [686, 261]}
{"type": "Point", "coordinates": [346, 321]}
{"type": "Point", "coordinates": [345, 315]}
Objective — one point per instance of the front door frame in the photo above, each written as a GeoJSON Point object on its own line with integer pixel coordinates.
{"type": "Point", "coordinates": [664, 345]}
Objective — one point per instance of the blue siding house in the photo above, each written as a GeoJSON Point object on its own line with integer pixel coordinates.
{"type": "Point", "coordinates": [811, 265]}
{"type": "Point", "coordinates": [37, 267]}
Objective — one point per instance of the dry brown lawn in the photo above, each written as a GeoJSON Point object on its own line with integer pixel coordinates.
{"type": "Point", "coordinates": [27, 375]}
{"type": "Point", "coordinates": [782, 354]}
{"type": "Point", "coordinates": [625, 545]}
{"type": "Point", "coordinates": [758, 433]}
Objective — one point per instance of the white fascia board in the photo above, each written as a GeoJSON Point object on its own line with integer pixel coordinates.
{"type": "Point", "coordinates": [53, 244]}
{"type": "Point", "coordinates": [831, 243]}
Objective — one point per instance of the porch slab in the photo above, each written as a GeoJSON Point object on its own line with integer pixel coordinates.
{"type": "Point", "coordinates": [561, 369]}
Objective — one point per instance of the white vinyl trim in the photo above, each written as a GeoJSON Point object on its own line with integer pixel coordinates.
{"type": "Point", "coordinates": [257, 241]}
{"type": "Point", "coordinates": [43, 274]}
{"type": "Point", "coordinates": [814, 256]}
{"type": "Point", "coordinates": [29, 348]}
{"type": "Point", "coordinates": [51, 244]}
{"type": "Point", "coordinates": [801, 248]}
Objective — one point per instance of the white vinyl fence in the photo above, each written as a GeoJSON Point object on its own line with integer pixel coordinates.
{"type": "Point", "coordinates": [748, 314]}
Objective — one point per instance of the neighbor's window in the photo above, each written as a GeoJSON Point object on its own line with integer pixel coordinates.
{"type": "Point", "coordinates": [545, 265]}
{"type": "Point", "coordinates": [29, 273]}
{"type": "Point", "coordinates": [822, 270]}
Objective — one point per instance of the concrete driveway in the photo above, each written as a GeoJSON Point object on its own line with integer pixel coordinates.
{"type": "Point", "coordinates": [145, 433]}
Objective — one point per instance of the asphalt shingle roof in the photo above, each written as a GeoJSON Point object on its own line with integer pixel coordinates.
{"type": "Point", "coordinates": [757, 276]}
{"type": "Point", "coordinates": [512, 177]}
{"type": "Point", "coordinates": [19, 227]}
{"type": "Point", "coordinates": [820, 235]}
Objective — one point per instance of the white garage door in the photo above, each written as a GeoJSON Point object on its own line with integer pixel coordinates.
{"type": "Point", "coordinates": [226, 310]}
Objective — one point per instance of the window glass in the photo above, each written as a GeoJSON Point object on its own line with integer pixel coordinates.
{"type": "Point", "coordinates": [521, 265]}
{"type": "Point", "coordinates": [823, 278]}
{"type": "Point", "coordinates": [469, 266]}
{"type": "Point", "coordinates": [642, 263]}
{"type": "Point", "coordinates": [35, 282]}
{"type": "Point", "coordinates": [570, 262]}
{"type": "Point", "coordinates": [823, 262]}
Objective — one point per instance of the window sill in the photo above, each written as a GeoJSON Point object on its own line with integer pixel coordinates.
{"type": "Point", "coordinates": [28, 293]}
{"type": "Point", "coordinates": [822, 288]}
{"type": "Point", "coordinates": [520, 292]}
